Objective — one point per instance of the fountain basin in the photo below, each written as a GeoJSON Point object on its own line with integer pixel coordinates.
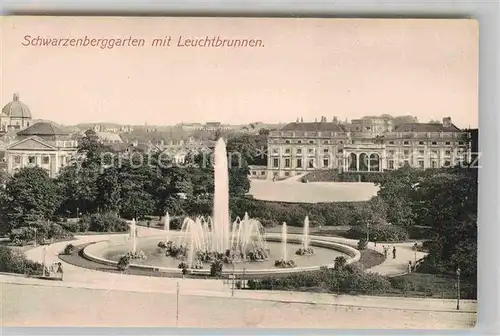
{"type": "Point", "coordinates": [97, 252]}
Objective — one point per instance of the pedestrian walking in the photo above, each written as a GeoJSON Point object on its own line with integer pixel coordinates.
{"type": "Point", "coordinates": [394, 252]}
{"type": "Point", "coordinates": [60, 269]}
{"type": "Point", "coordinates": [149, 224]}
{"type": "Point", "coordinates": [409, 267]}
{"type": "Point", "coordinates": [385, 250]}
{"type": "Point", "coordinates": [375, 241]}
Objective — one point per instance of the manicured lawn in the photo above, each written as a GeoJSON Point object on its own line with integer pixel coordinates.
{"type": "Point", "coordinates": [434, 285]}
{"type": "Point", "coordinates": [370, 258]}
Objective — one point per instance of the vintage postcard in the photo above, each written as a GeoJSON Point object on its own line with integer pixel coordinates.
{"type": "Point", "coordinates": [239, 172]}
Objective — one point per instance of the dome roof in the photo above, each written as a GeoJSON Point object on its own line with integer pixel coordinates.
{"type": "Point", "coordinates": [16, 109]}
{"type": "Point", "coordinates": [42, 129]}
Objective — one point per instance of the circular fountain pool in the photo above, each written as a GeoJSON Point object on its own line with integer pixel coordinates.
{"type": "Point", "coordinates": [325, 252]}
{"type": "Point", "coordinates": [156, 256]}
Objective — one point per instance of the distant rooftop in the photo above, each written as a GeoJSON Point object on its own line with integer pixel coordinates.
{"type": "Point", "coordinates": [313, 127]}
{"type": "Point", "coordinates": [426, 128]}
{"type": "Point", "coordinates": [42, 128]}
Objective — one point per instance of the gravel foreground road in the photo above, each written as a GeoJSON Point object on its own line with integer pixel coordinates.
{"type": "Point", "coordinates": [60, 306]}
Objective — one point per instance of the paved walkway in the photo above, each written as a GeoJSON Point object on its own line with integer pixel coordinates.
{"type": "Point", "coordinates": [80, 285]}
{"type": "Point", "coordinates": [51, 306]}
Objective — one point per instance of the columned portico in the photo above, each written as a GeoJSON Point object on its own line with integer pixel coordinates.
{"type": "Point", "coordinates": [367, 158]}
{"type": "Point", "coordinates": [42, 145]}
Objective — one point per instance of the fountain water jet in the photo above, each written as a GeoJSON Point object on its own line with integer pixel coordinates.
{"type": "Point", "coordinates": [217, 238]}
{"type": "Point", "coordinates": [133, 234]}
{"type": "Point", "coordinates": [305, 249]}
{"type": "Point", "coordinates": [284, 262]}
{"type": "Point", "coordinates": [305, 236]}
{"type": "Point", "coordinates": [166, 226]}
{"type": "Point", "coordinates": [284, 238]}
{"type": "Point", "coordinates": [221, 199]}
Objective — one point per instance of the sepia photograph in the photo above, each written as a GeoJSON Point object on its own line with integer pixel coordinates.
{"type": "Point", "coordinates": [225, 172]}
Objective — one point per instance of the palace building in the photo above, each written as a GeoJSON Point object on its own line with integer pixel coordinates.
{"type": "Point", "coordinates": [370, 144]}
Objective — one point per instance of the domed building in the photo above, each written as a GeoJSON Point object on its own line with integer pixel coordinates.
{"type": "Point", "coordinates": [43, 144]}
{"type": "Point", "coordinates": [15, 115]}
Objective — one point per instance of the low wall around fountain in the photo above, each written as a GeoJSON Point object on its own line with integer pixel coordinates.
{"type": "Point", "coordinates": [91, 251]}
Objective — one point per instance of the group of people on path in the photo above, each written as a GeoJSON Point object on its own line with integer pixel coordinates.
{"type": "Point", "coordinates": [386, 251]}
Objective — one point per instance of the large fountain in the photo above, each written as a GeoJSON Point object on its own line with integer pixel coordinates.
{"type": "Point", "coordinates": [204, 240]}
{"type": "Point", "coordinates": [241, 246]}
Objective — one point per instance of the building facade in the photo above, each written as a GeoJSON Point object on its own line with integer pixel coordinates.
{"type": "Point", "coordinates": [364, 145]}
{"type": "Point", "coordinates": [42, 144]}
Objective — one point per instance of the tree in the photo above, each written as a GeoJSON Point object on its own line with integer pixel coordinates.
{"type": "Point", "coordinates": [109, 190]}
{"type": "Point", "coordinates": [30, 195]}
{"type": "Point", "coordinates": [264, 131]}
{"type": "Point", "coordinates": [396, 191]}
{"type": "Point", "coordinates": [91, 146]}
{"type": "Point", "coordinates": [79, 189]}
{"type": "Point", "coordinates": [447, 201]}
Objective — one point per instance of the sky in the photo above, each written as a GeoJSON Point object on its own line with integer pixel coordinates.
{"type": "Point", "coordinates": [306, 68]}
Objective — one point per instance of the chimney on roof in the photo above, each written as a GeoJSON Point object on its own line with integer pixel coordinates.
{"type": "Point", "coordinates": [447, 122]}
{"type": "Point", "coordinates": [335, 120]}
{"type": "Point", "coordinates": [301, 120]}
{"type": "Point", "coordinates": [297, 120]}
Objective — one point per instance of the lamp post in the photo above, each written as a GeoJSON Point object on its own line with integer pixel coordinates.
{"type": "Point", "coordinates": [177, 307]}
{"type": "Point", "coordinates": [233, 276]}
{"type": "Point", "coordinates": [415, 247]}
{"type": "Point", "coordinates": [458, 288]}
{"type": "Point", "coordinates": [367, 232]}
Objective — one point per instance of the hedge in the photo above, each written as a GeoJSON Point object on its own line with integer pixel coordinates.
{"type": "Point", "coordinates": [346, 279]}
{"type": "Point", "coordinates": [274, 213]}
{"type": "Point", "coordinates": [388, 233]}
{"type": "Point", "coordinates": [13, 261]}
{"type": "Point", "coordinates": [104, 222]}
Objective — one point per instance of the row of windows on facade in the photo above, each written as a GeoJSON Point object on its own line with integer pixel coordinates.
{"type": "Point", "coordinates": [276, 151]}
{"type": "Point", "coordinates": [391, 164]}
{"type": "Point", "coordinates": [33, 159]}
{"type": "Point", "coordinates": [390, 142]}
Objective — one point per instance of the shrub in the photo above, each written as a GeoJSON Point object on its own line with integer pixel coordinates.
{"type": "Point", "coordinates": [362, 244]}
{"type": "Point", "coordinates": [56, 231]}
{"type": "Point", "coordinates": [355, 268]}
{"type": "Point", "coordinates": [340, 262]}
{"type": "Point", "coordinates": [40, 230]}
{"type": "Point", "coordinates": [340, 280]}
{"type": "Point", "coordinates": [176, 223]}
{"type": "Point", "coordinates": [104, 222]}
{"type": "Point", "coordinates": [13, 261]}
{"type": "Point", "coordinates": [388, 233]}
{"type": "Point", "coordinates": [84, 226]}
{"type": "Point", "coordinates": [123, 263]}
{"type": "Point", "coordinates": [252, 284]}
{"type": "Point", "coordinates": [71, 226]}
{"type": "Point", "coordinates": [23, 235]}
{"type": "Point", "coordinates": [400, 283]}
{"type": "Point", "coordinates": [339, 213]}
{"type": "Point", "coordinates": [216, 268]}
{"type": "Point", "coordinates": [69, 249]}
